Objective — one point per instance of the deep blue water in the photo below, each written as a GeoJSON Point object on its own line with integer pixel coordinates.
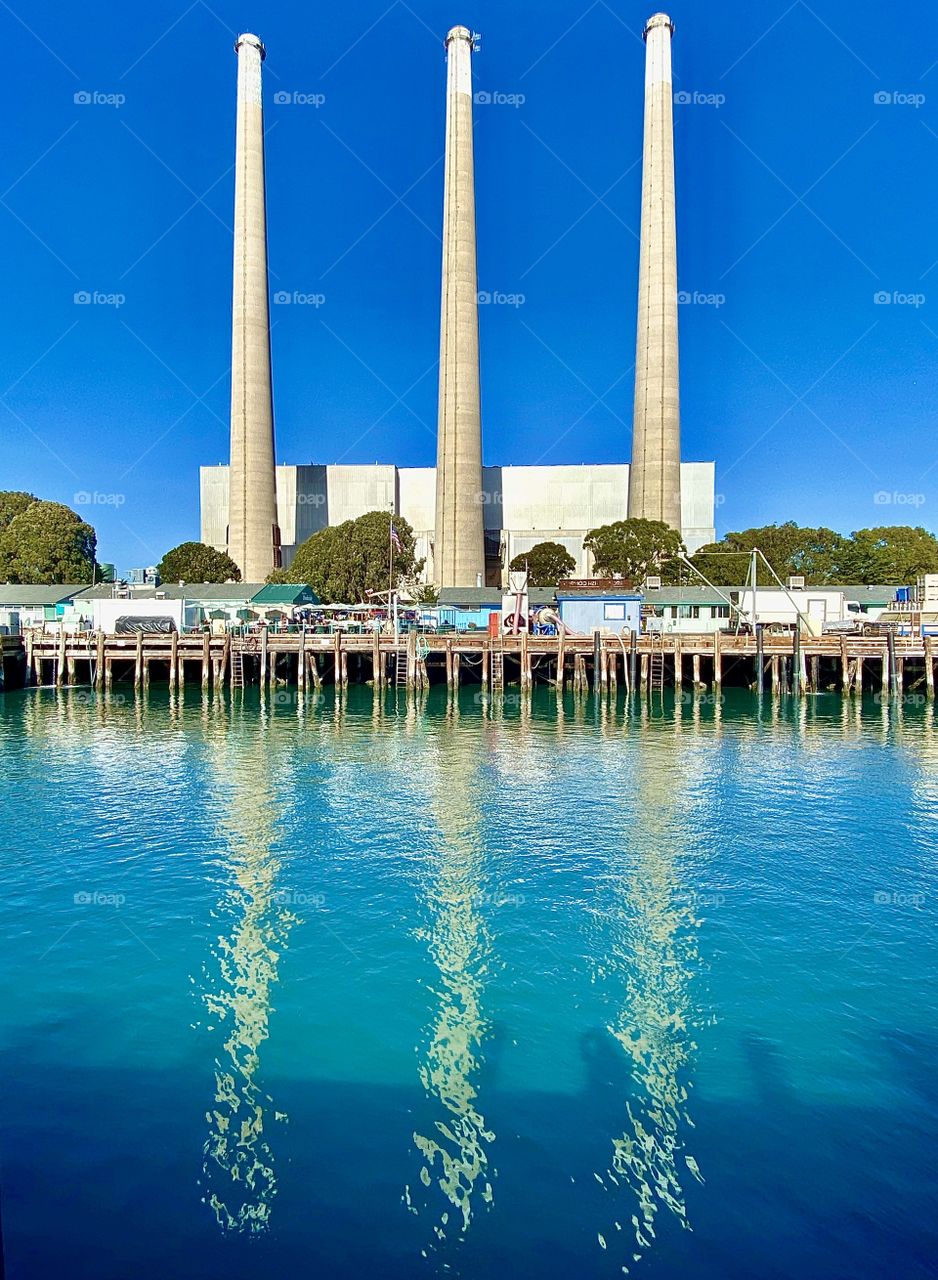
{"type": "Point", "coordinates": [499, 990]}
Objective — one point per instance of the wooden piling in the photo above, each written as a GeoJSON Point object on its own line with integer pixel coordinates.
{"type": "Point", "coordinates": [449, 662]}
{"type": "Point", "coordinates": [138, 664]}
{"type": "Point", "coordinates": [678, 665]}
{"type": "Point", "coordinates": [264, 640]}
{"type": "Point", "coordinates": [695, 661]}
{"type": "Point", "coordinates": [337, 658]}
{"type": "Point", "coordinates": [929, 667]}
{"type": "Point", "coordinates": [60, 661]}
{"type": "Point", "coordinates": [776, 677]}
{"type": "Point", "coordinates": [717, 661]}
{"type": "Point", "coordinates": [206, 658]}
{"type": "Point", "coordinates": [173, 659]}
{"type": "Point", "coordinates": [376, 659]}
{"type": "Point", "coordinates": [99, 662]}
{"type": "Point", "coordinates": [560, 660]}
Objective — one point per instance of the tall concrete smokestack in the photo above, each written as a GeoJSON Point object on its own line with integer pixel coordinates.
{"type": "Point", "coordinates": [253, 535]}
{"type": "Point", "coordinates": [655, 473]}
{"type": "Point", "coordinates": [459, 548]}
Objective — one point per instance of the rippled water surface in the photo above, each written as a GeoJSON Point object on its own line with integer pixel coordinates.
{"type": "Point", "coordinates": [502, 989]}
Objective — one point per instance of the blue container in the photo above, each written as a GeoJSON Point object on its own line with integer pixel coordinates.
{"type": "Point", "coordinates": [903, 594]}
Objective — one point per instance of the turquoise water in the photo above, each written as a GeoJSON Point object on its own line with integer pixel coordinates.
{"type": "Point", "coordinates": [495, 990]}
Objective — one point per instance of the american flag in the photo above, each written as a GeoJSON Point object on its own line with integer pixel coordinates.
{"type": "Point", "coordinates": [395, 540]}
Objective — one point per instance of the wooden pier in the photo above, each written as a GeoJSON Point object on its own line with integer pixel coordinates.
{"type": "Point", "coordinates": [890, 665]}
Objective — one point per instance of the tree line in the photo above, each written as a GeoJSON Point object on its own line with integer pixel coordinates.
{"type": "Point", "coordinates": [47, 542]}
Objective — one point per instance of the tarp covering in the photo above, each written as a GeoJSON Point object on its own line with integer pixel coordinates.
{"type": "Point", "coordinates": [129, 626]}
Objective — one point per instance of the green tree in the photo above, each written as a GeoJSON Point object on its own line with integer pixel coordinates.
{"type": "Point", "coordinates": [821, 554]}
{"type": "Point", "coordinates": [197, 562]}
{"type": "Point", "coordinates": [893, 555]}
{"type": "Point", "coordinates": [344, 562]}
{"type": "Point", "coordinates": [635, 548]}
{"type": "Point", "coordinates": [12, 503]}
{"type": "Point", "coordinates": [47, 543]}
{"type": "Point", "coordinates": [547, 563]}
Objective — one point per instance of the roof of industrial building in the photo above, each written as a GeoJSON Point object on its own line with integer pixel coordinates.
{"type": "Point", "coordinates": [285, 593]}
{"type": "Point", "coordinates": [242, 592]}
{"type": "Point", "coordinates": [866, 595]}
{"type": "Point", "coordinates": [609, 593]}
{"type": "Point", "coordinates": [30, 594]}
{"type": "Point", "coordinates": [481, 597]}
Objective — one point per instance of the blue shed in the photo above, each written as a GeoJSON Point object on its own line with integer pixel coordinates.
{"type": "Point", "coordinates": [589, 611]}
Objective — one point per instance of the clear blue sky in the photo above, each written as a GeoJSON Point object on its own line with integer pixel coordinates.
{"type": "Point", "coordinates": [800, 198]}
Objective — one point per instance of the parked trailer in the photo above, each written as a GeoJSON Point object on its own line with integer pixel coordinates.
{"type": "Point", "coordinates": [811, 610]}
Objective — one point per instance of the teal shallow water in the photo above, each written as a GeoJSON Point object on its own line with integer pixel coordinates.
{"type": "Point", "coordinates": [493, 989]}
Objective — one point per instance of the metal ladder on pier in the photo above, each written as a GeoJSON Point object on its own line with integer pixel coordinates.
{"type": "Point", "coordinates": [498, 666]}
{"type": "Point", "coordinates": [237, 667]}
{"type": "Point", "coordinates": [400, 667]}
{"type": "Point", "coordinates": [656, 663]}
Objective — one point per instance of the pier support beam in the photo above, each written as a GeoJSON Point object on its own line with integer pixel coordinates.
{"type": "Point", "coordinates": [99, 663]}
{"type": "Point", "coordinates": [678, 665]}
{"type": "Point", "coordinates": [717, 662]}
{"type": "Point", "coordinates": [173, 659]}
{"type": "Point", "coordinates": [206, 659]}
{"type": "Point", "coordinates": [760, 660]}
{"type": "Point", "coordinates": [138, 663]}
{"type": "Point", "coordinates": [929, 667]}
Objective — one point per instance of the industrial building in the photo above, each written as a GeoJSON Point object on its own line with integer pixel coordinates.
{"type": "Point", "coordinates": [520, 506]}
